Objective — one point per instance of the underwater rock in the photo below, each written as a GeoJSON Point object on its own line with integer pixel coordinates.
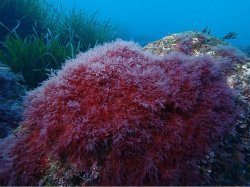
{"type": "Point", "coordinates": [117, 115]}
{"type": "Point", "coordinates": [11, 93]}
{"type": "Point", "coordinates": [198, 43]}
{"type": "Point", "coordinates": [189, 43]}
{"type": "Point", "coordinates": [228, 164]}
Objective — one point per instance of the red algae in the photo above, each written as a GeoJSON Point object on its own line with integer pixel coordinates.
{"type": "Point", "coordinates": [117, 115]}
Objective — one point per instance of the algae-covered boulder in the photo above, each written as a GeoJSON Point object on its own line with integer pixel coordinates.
{"type": "Point", "coordinates": [117, 115]}
{"type": "Point", "coordinates": [199, 43]}
{"type": "Point", "coordinates": [10, 100]}
{"type": "Point", "coordinates": [228, 164]}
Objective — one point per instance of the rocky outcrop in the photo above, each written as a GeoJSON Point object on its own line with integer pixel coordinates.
{"type": "Point", "coordinates": [228, 164]}
{"type": "Point", "coordinates": [11, 93]}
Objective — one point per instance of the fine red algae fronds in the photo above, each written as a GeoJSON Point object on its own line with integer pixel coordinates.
{"type": "Point", "coordinates": [117, 115]}
{"type": "Point", "coordinates": [227, 164]}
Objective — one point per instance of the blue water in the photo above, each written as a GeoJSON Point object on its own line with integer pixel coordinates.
{"type": "Point", "coordinates": [148, 20]}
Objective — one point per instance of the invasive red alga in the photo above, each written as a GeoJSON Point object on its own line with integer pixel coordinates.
{"type": "Point", "coordinates": [136, 118]}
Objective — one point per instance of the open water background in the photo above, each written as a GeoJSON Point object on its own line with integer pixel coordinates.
{"type": "Point", "coordinates": [148, 20]}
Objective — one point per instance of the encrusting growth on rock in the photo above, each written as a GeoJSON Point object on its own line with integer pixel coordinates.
{"type": "Point", "coordinates": [234, 147]}
{"type": "Point", "coordinates": [117, 115]}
